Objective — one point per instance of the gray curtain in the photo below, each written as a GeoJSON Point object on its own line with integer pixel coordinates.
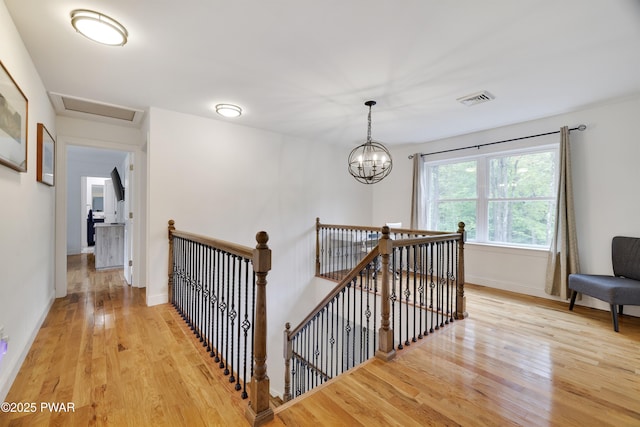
{"type": "Point", "coordinates": [417, 202]}
{"type": "Point", "coordinates": [417, 193]}
{"type": "Point", "coordinates": [563, 254]}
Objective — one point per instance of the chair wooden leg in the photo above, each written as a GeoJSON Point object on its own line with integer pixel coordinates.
{"type": "Point", "coordinates": [573, 299]}
{"type": "Point", "coordinates": [614, 317]}
{"type": "Point", "coordinates": [620, 309]}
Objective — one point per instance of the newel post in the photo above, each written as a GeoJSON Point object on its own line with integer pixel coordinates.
{"type": "Point", "coordinates": [385, 350]}
{"type": "Point", "coordinates": [288, 352]}
{"type": "Point", "coordinates": [171, 229]}
{"type": "Point", "coordinates": [461, 300]}
{"type": "Point", "coordinates": [317, 246]}
{"type": "Point", "coordinates": [259, 412]}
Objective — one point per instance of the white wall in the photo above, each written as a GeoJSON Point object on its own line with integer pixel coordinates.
{"type": "Point", "coordinates": [606, 175]}
{"type": "Point", "coordinates": [26, 219]}
{"type": "Point", "coordinates": [228, 181]}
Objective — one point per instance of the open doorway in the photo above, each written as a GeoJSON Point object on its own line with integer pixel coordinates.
{"type": "Point", "coordinates": [99, 216]}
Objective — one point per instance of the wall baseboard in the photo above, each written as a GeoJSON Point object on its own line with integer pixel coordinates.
{"type": "Point", "coordinates": [508, 286]}
{"type": "Point", "coordinates": [157, 299]}
{"type": "Point", "coordinates": [586, 301]}
{"type": "Point", "coordinates": [15, 369]}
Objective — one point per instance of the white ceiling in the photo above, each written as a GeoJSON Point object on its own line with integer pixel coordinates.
{"type": "Point", "coordinates": [305, 68]}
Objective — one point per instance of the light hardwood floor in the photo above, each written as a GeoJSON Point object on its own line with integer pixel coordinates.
{"type": "Point", "coordinates": [120, 362]}
{"type": "Point", "coordinates": [516, 360]}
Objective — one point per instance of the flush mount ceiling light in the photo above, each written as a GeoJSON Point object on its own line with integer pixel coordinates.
{"type": "Point", "coordinates": [98, 27]}
{"type": "Point", "coordinates": [370, 162]}
{"type": "Point", "coordinates": [228, 110]}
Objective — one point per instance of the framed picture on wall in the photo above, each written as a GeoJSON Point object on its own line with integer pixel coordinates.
{"type": "Point", "coordinates": [13, 123]}
{"type": "Point", "coordinates": [46, 156]}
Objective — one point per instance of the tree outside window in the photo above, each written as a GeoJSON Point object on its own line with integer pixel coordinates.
{"type": "Point", "coordinates": [503, 198]}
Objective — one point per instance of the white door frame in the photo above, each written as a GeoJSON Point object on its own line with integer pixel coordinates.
{"type": "Point", "coordinates": [61, 207]}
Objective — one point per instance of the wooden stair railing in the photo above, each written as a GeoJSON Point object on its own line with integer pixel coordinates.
{"type": "Point", "coordinates": [219, 288]}
{"type": "Point", "coordinates": [330, 305]}
{"type": "Point", "coordinates": [417, 283]}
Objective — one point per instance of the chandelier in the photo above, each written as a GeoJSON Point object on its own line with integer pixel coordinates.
{"type": "Point", "coordinates": [370, 162]}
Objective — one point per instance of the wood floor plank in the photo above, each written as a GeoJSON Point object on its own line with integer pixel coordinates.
{"type": "Point", "coordinates": [517, 360]}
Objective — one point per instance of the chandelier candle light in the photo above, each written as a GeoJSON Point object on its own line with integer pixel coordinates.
{"type": "Point", "coordinates": [370, 162]}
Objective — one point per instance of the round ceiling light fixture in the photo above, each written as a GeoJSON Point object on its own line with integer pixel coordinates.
{"type": "Point", "coordinates": [99, 28]}
{"type": "Point", "coordinates": [228, 110]}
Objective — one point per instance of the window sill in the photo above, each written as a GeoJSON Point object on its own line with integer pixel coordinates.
{"type": "Point", "coordinates": [493, 247]}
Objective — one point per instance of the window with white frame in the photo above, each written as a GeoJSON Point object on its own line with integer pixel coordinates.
{"type": "Point", "coordinates": [505, 198]}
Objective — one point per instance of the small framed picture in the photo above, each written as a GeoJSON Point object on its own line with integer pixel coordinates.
{"type": "Point", "coordinates": [13, 123]}
{"type": "Point", "coordinates": [46, 156]}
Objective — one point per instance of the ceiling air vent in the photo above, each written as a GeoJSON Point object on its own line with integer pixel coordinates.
{"type": "Point", "coordinates": [83, 108]}
{"type": "Point", "coordinates": [476, 98]}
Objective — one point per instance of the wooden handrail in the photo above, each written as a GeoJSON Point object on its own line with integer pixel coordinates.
{"type": "Point", "coordinates": [337, 289]}
{"type": "Point", "coordinates": [232, 248]}
{"type": "Point", "coordinates": [422, 240]}
{"type": "Point", "coordinates": [391, 230]}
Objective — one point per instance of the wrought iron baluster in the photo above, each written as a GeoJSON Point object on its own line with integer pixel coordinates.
{"type": "Point", "coordinates": [176, 276]}
{"type": "Point", "coordinates": [414, 303]}
{"type": "Point", "coordinates": [454, 263]}
{"type": "Point", "coordinates": [316, 350]}
{"type": "Point", "coordinates": [199, 249]}
{"type": "Point", "coordinates": [245, 327]}
{"type": "Point", "coordinates": [321, 346]}
{"type": "Point", "coordinates": [205, 296]}
{"type": "Point", "coordinates": [439, 288]}
{"type": "Point", "coordinates": [447, 283]}
{"type": "Point", "coordinates": [307, 354]}
{"type": "Point", "coordinates": [193, 284]}
{"type": "Point", "coordinates": [407, 296]}
{"type": "Point", "coordinates": [400, 294]}
{"type": "Point", "coordinates": [424, 281]}
{"type": "Point", "coordinates": [215, 292]}
{"type": "Point", "coordinates": [183, 282]}
{"type": "Point", "coordinates": [375, 308]}
{"type": "Point", "coordinates": [431, 286]}
{"type": "Point", "coordinates": [421, 289]}
{"type": "Point", "coordinates": [332, 341]}
{"type": "Point", "coordinates": [253, 320]}
{"type": "Point", "coordinates": [190, 283]}
{"type": "Point", "coordinates": [222, 306]}
{"type": "Point", "coordinates": [393, 296]}
{"type": "Point", "coordinates": [364, 309]}
{"type": "Point", "coordinates": [232, 316]}
{"type": "Point", "coordinates": [227, 286]}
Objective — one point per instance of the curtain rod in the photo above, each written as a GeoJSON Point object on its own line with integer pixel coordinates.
{"type": "Point", "coordinates": [580, 128]}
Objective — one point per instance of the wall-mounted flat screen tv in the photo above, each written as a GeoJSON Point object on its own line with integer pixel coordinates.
{"type": "Point", "coordinates": [118, 188]}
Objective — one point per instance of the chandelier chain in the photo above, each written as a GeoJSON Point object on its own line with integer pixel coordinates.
{"type": "Point", "coordinates": [369, 127]}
